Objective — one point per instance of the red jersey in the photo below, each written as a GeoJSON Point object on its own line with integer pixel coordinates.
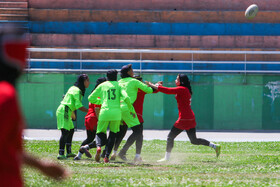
{"type": "Point", "coordinates": [183, 97]}
{"type": "Point", "coordinates": [11, 125]}
{"type": "Point", "coordinates": [138, 105]}
{"type": "Point", "coordinates": [91, 118]}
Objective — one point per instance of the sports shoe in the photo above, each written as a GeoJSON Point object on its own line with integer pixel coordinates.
{"type": "Point", "coordinates": [61, 157]}
{"type": "Point", "coordinates": [122, 156]}
{"type": "Point", "coordinates": [77, 158]}
{"type": "Point", "coordinates": [85, 150]}
{"type": "Point", "coordinates": [70, 155]}
{"type": "Point", "coordinates": [113, 157]}
{"type": "Point", "coordinates": [138, 160]}
{"type": "Point", "coordinates": [218, 150]}
{"type": "Point", "coordinates": [106, 159]}
{"type": "Point", "coordinates": [97, 155]}
{"type": "Point", "coordinates": [163, 160]}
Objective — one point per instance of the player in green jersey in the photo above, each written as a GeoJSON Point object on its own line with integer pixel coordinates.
{"type": "Point", "coordinates": [131, 86]}
{"type": "Point", "coordinates": [71, 102]}
{"type": "Point", "coordinates": [110, 94]}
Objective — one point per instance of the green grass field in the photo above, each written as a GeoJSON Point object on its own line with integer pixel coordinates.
{"type": "Point", "coordinates": [240, 164]}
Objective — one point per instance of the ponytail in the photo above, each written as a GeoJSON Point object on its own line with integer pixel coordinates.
{"type": "Point", "coordinates": [184, 81]}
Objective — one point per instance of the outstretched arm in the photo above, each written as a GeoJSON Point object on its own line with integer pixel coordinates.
{"type": "Point", "coordinates": [48, 168]}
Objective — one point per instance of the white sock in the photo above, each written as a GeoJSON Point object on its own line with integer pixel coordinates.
{"type": "Point", "coordinates": [79, 154]}
{"type": "Point", "coordinates": [167, 155]}
{"type": "Point", "coordinates": [137, 156]}
{"type": "Point", "coordinates": [212, 145]}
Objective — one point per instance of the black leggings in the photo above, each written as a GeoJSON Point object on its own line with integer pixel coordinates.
{"type": "Point", "coordinates": [90, 137]}
{"type": "Point", "coordinates": [174, 132]}
{"type": "Point", "coordinates": [119, 137]}
{"type": "Point", "coordinates": [65, 139]}
{"type": "Point", "coordinates": [137, 135]}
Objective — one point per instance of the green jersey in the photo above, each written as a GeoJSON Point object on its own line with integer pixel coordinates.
{"type": "Point", "coordinates": [71, 102]}
{"type": "Point", "coordinates": [131, 86]}
{"type": "Point", "coordinates": [73, 98]}
{"type": "Point", "coordinates": [110, 94]}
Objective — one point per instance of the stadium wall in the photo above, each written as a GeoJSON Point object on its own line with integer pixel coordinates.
{"type": "Point", "coordinates": [220, 101]}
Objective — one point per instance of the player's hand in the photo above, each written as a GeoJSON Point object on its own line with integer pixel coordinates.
{"type": "Point", "coordinates": [54, 171]}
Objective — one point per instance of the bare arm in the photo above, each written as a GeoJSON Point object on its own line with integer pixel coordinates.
{"type": "Point", "coordinates": [97, 110]}
{"type": "Point", "coordinates": [48, 168]}
{"type": "Point", "coordinates": [84, 109]}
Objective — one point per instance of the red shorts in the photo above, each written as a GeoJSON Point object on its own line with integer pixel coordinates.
{"type": "Point", "coordinates": [185, 124]}
{"type": "Point", "coordinates": [91, 123]}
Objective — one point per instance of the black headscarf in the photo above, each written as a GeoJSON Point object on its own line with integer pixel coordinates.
{"type": "Point", "coordinates": [184, 81]}
{"type": "Point", "coordinates": [80, 83]}
{"type": "Point", "coordinates": [10, 70]}
{"type": "Point", "coordinates": [112, 75]}
{"type": "Point", "coordinates": [99, 81]}
{"type": "Point", "coordinates": [126, 69]}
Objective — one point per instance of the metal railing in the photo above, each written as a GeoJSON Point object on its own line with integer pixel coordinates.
{"type": "Point", "coordinates": [141, 62]}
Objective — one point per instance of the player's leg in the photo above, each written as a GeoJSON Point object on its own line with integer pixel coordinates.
{"type": "Point", "coordinates": [174, 132]}
{"type": "Point", "coordinates": [69, 144]}
{"type": "Point", "coordinates": [199, 141]}
{"type": "Point", "coordinates": [90, 137]}
{"type": "Point", "coordinates": [114, 128]}
{"type": "Point", "coordinates": [136, 134]}
{"type": "Point", "coordinates": [131, 119]}
{"type": "Point", "coordinates": [119, 137]}
{"type": "Point", "coordinates": [101, 137]}
{"type": "Point", "coordinates": [62, 143]}
{"type": "Point", "coordinates": [139, 143]}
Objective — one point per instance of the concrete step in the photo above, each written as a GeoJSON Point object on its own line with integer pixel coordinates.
{"type": "Point", "coordinates": [14, 11]}
{"type": "Point", "coordinates": [13, 4]}
{"type": "Point", "coordinates": [154, 41]}
{"type": "Point", "coordinates": [165, 56]}
{"type": "Point", "coordinates": [14, 0]}
{"type": "Point", "coordinates": [114, 16]}
{"type": "Point", "coordinates": [241, 5]}
{"type": "Point", "coordinates": [14, 17]}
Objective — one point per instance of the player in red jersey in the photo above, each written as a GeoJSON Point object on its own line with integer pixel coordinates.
{"type": "Point", "coordinates": [12, 61]}
{"type": "Point", "coordinates": [186, 120]}
{"type": "Point", "coordinates": [91, 119]}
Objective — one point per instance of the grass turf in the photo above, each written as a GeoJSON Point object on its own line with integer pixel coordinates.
{"type": "Point", "coordinates": [240, 164]}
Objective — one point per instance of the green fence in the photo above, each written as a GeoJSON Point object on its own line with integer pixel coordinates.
{"type": "Point", "coordinates": [220, 101]}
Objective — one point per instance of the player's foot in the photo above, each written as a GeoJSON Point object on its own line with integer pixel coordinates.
{"type": "Point", "coordinates": [218, 150]}
{"type": "Point", "coordinates": [77, 158]}
{"type": "Point", "coordinates": [83, 149]}
{"type": "Point", "coordinates": [106, 159]}
{"type": "Point", "coordinates": [61, 157]}
{"type": "Point", "coordinates": [163, 160]}
{"type": "Point", "coordinates": [138, 160]}
{"type": "Point", "coordinates": [113, 157]}
{"type": "Point", "coordinates": [97, 155]}
{"type": "Point", "coordinates": [70, 155]}
{"type": "Point", "coordinates": [122, 156]}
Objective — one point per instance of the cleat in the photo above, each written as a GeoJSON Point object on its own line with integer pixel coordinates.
{"type": "Point", "coordinates": [61, 157]}
{"type": "Point", "coordinates": [138, 160]}
{"type": "Point", "coordinates": [122, 156]}
{"type": "Point", "coordinates": [106, 160]}
{"type": "Point", "coordinates": [85, 150]}
{"type": "Point", "coordinates": [113, 157]}
{"type": "Point", "coordinates": [163, 160]}
{"type": "Point", "coordinates": [97, 155]}
{"type": "Point", "coordinates": [70, 155]}
{"type": "Point", "coordinates": [77, 158]}
{"type": "Point", "coordinates": [218, 150]}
